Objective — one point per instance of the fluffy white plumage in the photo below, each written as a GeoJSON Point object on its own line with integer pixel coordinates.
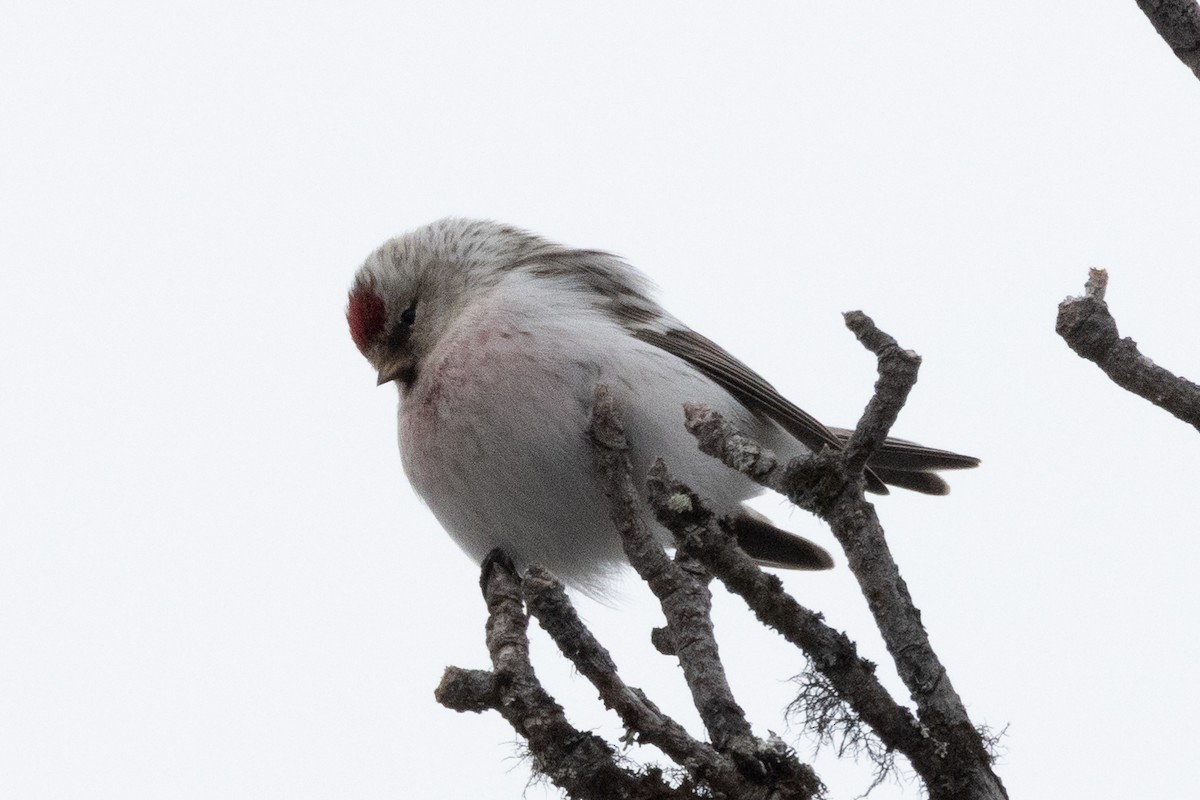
{"type": "Point", "coordinates": [497, 339]}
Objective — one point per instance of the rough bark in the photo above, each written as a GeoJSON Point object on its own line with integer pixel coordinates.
{"type": "Point", "coordinates": [831, 485]}
{"type": "Point", "coordinates": [681, 586]}
{"type": "Point", "coordinates": [1089, 328]}
{"type": "Point", "coordinates": [582, 764]}
{"type": "Point", "coordinates": [1178, 23]}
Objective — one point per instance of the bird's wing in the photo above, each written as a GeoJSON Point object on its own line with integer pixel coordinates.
{"type": "Point", "coordinates": [750, 388]}
{"type": "Point", "coordinates": [898, 462]}
{"type": "Point", "coordinates": [743, 383]}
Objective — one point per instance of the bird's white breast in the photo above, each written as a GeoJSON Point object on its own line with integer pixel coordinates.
{"type": "Point", "coordinates": [493, 433]}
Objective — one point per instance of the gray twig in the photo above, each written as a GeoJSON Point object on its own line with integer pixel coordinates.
{"type": "Point", "coordinates": [581, 763]}
{"type": "Point", "coordinates": [1178, 23]}
{"type": "Point", "coordinates": [548, 601]}
{"type": "Point", "coordinates": [830, 484]}
{"type": "Point", "coordinates": [1089, 328]}
{"type": "Point", "coordinates": [681, 588]}
{"type": "Point", "coordinates": [700, 534]}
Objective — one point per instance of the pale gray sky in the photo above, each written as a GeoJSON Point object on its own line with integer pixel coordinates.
{"type": "Point", "coordinates": [214, 580]}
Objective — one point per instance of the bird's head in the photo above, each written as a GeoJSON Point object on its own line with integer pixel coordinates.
{"type": "Point", "coordinates": [413, 289]}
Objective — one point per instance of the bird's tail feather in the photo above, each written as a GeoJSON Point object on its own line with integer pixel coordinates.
{"type": "Point", "coordinates": [774, 547]}
{"type": "Point", "coordinates": [909, 465]}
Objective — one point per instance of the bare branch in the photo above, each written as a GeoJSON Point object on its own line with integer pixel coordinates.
{"type": "Point", "coordinates": [831, 485]}
{"type": "Point", "coordinates": [1178, 23]}
{"type": "Point", "coordinates": [581, 763]}
{"type": "Point", "coordinates": [1089, 328]}
{"type": "Point", "coordinates": [830, 652]}
{"type": "Point", "coordinates": [685, 597]}
{"type": "Point", "coordinates": [682, 591]}
{"type": "Point", "coordinates": [897, 375]}
{"type": "Point", "coordinates": [467, 690]}
{"type": "Point", "coordinates": [548, 601]}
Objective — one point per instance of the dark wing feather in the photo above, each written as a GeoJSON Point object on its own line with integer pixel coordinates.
{"type": "Point", "coordinates": [773, 547]}
{"type": "Point", "coordinates": [898, 462]}
{"type": "Point", "coordinates": [750, 389]}
{"type": "Point", "coordinates": [915, 480]}
{"type": "Point", "coordinates": [901, 454]}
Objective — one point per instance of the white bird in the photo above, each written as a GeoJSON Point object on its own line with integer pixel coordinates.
{"type": "Point", "coordinates": [497, 338]}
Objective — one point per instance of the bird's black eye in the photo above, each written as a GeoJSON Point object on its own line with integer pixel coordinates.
{"type": "Point", "coordinates": [401, 330]}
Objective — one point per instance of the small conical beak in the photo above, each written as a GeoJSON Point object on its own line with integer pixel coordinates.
{"type": "Point", "coordinates": [399, 368]}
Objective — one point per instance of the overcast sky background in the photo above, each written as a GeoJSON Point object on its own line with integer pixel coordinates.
{"type": "Point", "coordinates": [214, 580]}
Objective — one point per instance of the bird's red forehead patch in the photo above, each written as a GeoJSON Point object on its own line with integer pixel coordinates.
{"type": "Point", "coordinates": [366, 315]}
